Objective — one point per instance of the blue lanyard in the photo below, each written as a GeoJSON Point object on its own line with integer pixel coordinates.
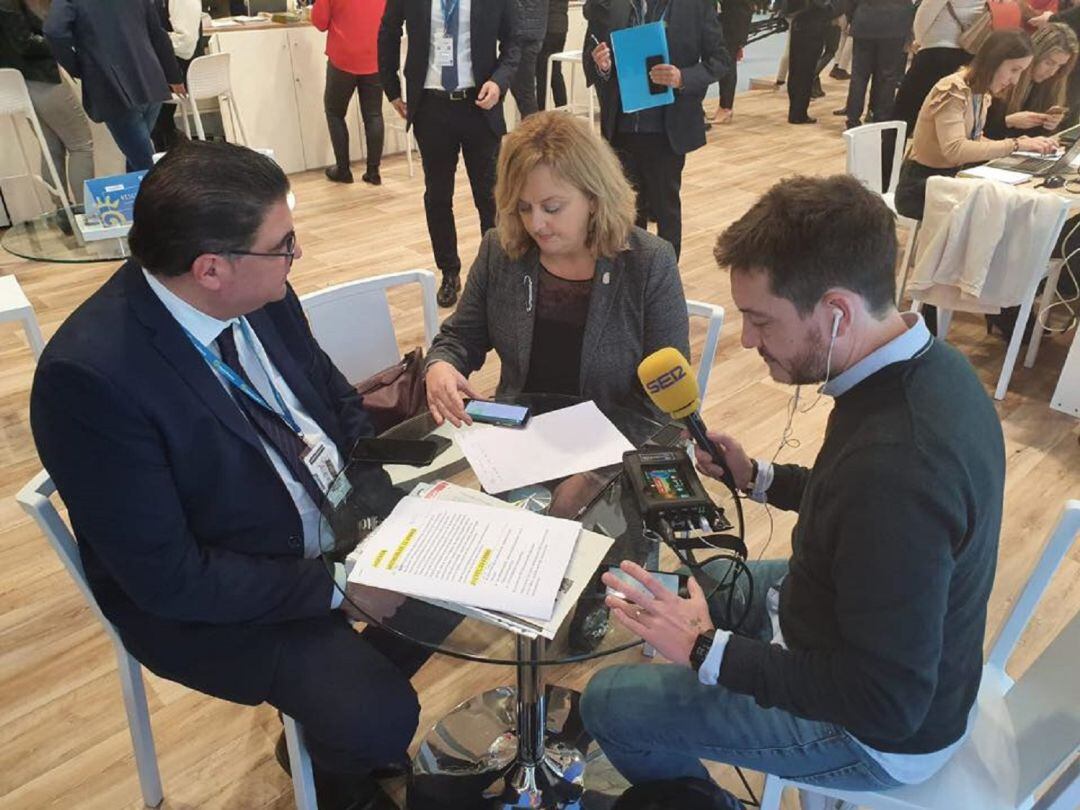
{"type": "Point", "coordinates": [238, 382]}
{"type": "Point", "coordinates": [448, 10]}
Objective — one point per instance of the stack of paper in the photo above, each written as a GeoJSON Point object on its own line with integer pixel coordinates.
{"type": "Point", "coordinates": [589, 552]}
{"type": "Point", "coordinates": [476, 555]}
{"type": "Point", "coordinates": [553, 445]}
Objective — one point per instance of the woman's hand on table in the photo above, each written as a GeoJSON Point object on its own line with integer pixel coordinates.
{"type": "Point", "coordinates": [1044, 146]}
{"type": "Point", "coordinates": [447, 390]}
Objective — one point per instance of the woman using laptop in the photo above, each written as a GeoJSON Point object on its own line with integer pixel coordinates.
{"type": "Point", "coordinates": [569, 294]}
{"type": "Point", "coordinates": [949, 132]}
{"type": "Point", "coordinates": [1036, 104]}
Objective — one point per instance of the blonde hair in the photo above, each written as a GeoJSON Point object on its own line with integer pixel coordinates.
{"type": "Point", "coordinates": [1050, 93]}
{"type": "Point", "coordinates": [565, 144]}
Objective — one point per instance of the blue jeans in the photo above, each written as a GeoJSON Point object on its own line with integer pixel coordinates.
{"type": "Point", "coordinates": [131, 131]}
{"type": "Point", "coordinates": [659, 722]}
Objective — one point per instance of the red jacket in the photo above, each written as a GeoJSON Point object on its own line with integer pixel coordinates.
{"type": "Point", "coordinates": [353, 28]}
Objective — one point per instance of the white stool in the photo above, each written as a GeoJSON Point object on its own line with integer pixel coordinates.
{"type": "Point", "coordinates": [15, 101]}
{"type": "Point", "coordinates": [208, 77]}
{"type": "Point", "coordinates": [14, 306]}
{"type": "Point", "coordinates": [573, 58]}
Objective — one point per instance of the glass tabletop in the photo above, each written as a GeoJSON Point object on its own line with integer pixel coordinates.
{"type": "Point", "coordinates": [41, 239]}
{"type": "Point", "coordinates": [596, 498]}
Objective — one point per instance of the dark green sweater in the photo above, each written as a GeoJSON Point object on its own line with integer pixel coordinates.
{"type": "Point", "coordinates": [884, 609]}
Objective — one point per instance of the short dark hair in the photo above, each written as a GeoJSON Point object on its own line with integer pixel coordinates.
{"type": "Point", "coordinates": [202, 197]}
{"type": "Point", "coordinates": [811, 234]}
{"type": "Point", "coordinates": [999, 46]}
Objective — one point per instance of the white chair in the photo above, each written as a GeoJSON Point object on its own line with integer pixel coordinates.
{"type": "Point", "coordinates": [715, 315]}
{"type": "Point", "coordinates": [34, 498]}
{"type": "Point", "coordinates": [15, 101]}
{"type": "Point", "coordinates": [1023, 733]}
{"type": "Point", "coordinates": [573, 59]}
{"type": "Point", "coordinates": [14, 306]}
{"type": "Point", "coordinates": [864, 164]}
{"type": "Point", "coordinates": [209, 77]}
{"type": "Point", "coordinates": [352, 321]}
{"type": "Point", "coordinates": [395, 122]}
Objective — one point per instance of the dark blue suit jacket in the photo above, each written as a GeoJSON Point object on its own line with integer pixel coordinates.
{"type": "Point", "coordinates": [117, 48]}
{"type": "Point", "coordinates": [189, 538]}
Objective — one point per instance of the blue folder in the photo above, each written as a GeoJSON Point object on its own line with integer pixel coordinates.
{"type": "Point", "coordinates": [632, 47]}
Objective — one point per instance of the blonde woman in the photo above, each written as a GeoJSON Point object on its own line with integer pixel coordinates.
{"type": "Point", "coordinates": [1036, 105]}
{"type": "Point", "coordinates": [569, 294]}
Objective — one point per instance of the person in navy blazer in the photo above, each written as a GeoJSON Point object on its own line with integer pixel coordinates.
{"type": "Point", "coordinates": [126, 63]}
{"type": "Point", "coordinates": [194, 542]}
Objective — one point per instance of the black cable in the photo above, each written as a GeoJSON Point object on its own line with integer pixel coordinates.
{"type": "Point", "coordinates": [753, 802]}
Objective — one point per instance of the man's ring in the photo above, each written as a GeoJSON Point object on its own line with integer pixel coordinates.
{"type": "Point", "coordinates": [637, 614]}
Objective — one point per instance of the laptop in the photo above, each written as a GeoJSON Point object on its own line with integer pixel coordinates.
{"type": "Point", "coordinates": [1042, 166]}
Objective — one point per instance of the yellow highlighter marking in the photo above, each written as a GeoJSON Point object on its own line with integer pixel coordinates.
{"type": "Point", "coordinates": [404, 544]}
{"type": "Point", "coordinates": [379, 558]}
{"type": "Point", "coordinates": [485, 558]}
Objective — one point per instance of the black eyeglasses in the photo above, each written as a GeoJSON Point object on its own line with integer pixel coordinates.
{"type": "Point", "coordinates": [289, 252]}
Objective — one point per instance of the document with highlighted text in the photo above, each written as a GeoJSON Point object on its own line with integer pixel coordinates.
{"type": "Point", "coordinates": [500, 559]}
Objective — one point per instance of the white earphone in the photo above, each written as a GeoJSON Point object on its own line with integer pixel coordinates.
{"type": "Point", "coordinates": [836, 318]}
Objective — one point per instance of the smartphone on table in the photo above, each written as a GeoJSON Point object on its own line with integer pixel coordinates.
{"type": "Point", "coordinates": [676, 583]}
{"type": "Point", "coordinates": [411, 452]}
{"type": "Point", "coordinates": [497, 413]}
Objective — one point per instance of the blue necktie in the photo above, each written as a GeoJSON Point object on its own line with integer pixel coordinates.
{"type": "Point", "coordinates": [450, 26]}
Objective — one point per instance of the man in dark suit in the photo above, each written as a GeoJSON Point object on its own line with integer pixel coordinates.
{"type": "Point", "coordinates": [126, 63]}
{"type": "Point", "coordinates": [462, 56]}
{"type": "Point", "coordinates": [652, 144]}
{"type": "Point", "coordinates": [176, 410]}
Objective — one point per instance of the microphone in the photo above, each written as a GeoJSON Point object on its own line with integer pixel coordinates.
{"type": "Point", "coordinates": [671, 386]}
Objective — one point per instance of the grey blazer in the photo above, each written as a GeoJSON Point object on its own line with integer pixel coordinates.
{"type": "Point", "coordinates": [637, 306]}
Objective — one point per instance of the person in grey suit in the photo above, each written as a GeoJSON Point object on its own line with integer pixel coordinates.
{"type": "Point", "coordinates": [569, 294]}
{"type": "Point", "coordinates": [126, 63]}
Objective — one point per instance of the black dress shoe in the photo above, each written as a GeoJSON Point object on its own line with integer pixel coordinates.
{"type": "Point", "coordinates": [372, 177]}
{"type": "Point", "coordinates": [449, 289]}
{"type": "Point", "coordinates": [806, 119]}
{"type": "Point", "coordinates": [337, 174]}
{"type": "Point", "coordinates": [838, 72]}
{"type": "Point", "coordinates": [815, 89]}
{"type": "Point", "coordinates": [841, 111]}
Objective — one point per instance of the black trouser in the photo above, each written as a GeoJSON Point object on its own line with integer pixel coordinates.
{"type": "Point", "coordinates": [523, 85]}
{"type": "Point", "coordinates": [928, 67]}
{"type": "Point", "coordinates": [554, 42]}
{"type": "Point", "coordinates": [655, 172]}
{"type": "Point", "coordinates": [879, 63]}
{"type": "Point", "coordinates": [164, 133]}
{"type": "Point", "coordinates": [806, 44]}
{"type": "Point", "coordinates": [829, 47]}
{"type": "Point", "coordinates": [910, 197]}
{"type": "Point", "coordinates": [339, 90]}
{"type": "Point", "coordinates": [735, 23]}
{"type": "Point", "coordinates": [443, 128]}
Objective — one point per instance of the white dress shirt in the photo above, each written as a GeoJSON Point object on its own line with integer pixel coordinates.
{"type": "Point", "coordinates": [265, 378]}
{"type": "Point", "coordinates": [463, 57]}
{"type": "Point", "coordinates": [184, 16]}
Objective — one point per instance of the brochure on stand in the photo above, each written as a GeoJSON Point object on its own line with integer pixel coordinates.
{"type": "Point", "coordinates": [589, 552]}
{"type": "Point", "coordinates": [478, 555]}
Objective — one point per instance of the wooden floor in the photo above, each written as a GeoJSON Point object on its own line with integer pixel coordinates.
{"type": "Point", "coordinates": [64, 739]}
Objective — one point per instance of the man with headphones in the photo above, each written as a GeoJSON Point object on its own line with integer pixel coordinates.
{"type": "Point", "coordinates": [859, 658]}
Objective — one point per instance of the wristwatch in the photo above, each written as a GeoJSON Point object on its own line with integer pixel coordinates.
{"type": "Point", "coordinates": [702, 644]}
{"type": "Point", "coordinates": [754, 470]}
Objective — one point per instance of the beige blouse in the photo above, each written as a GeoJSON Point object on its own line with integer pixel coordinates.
{"type": "Point", "coordinates": [942, 137]}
